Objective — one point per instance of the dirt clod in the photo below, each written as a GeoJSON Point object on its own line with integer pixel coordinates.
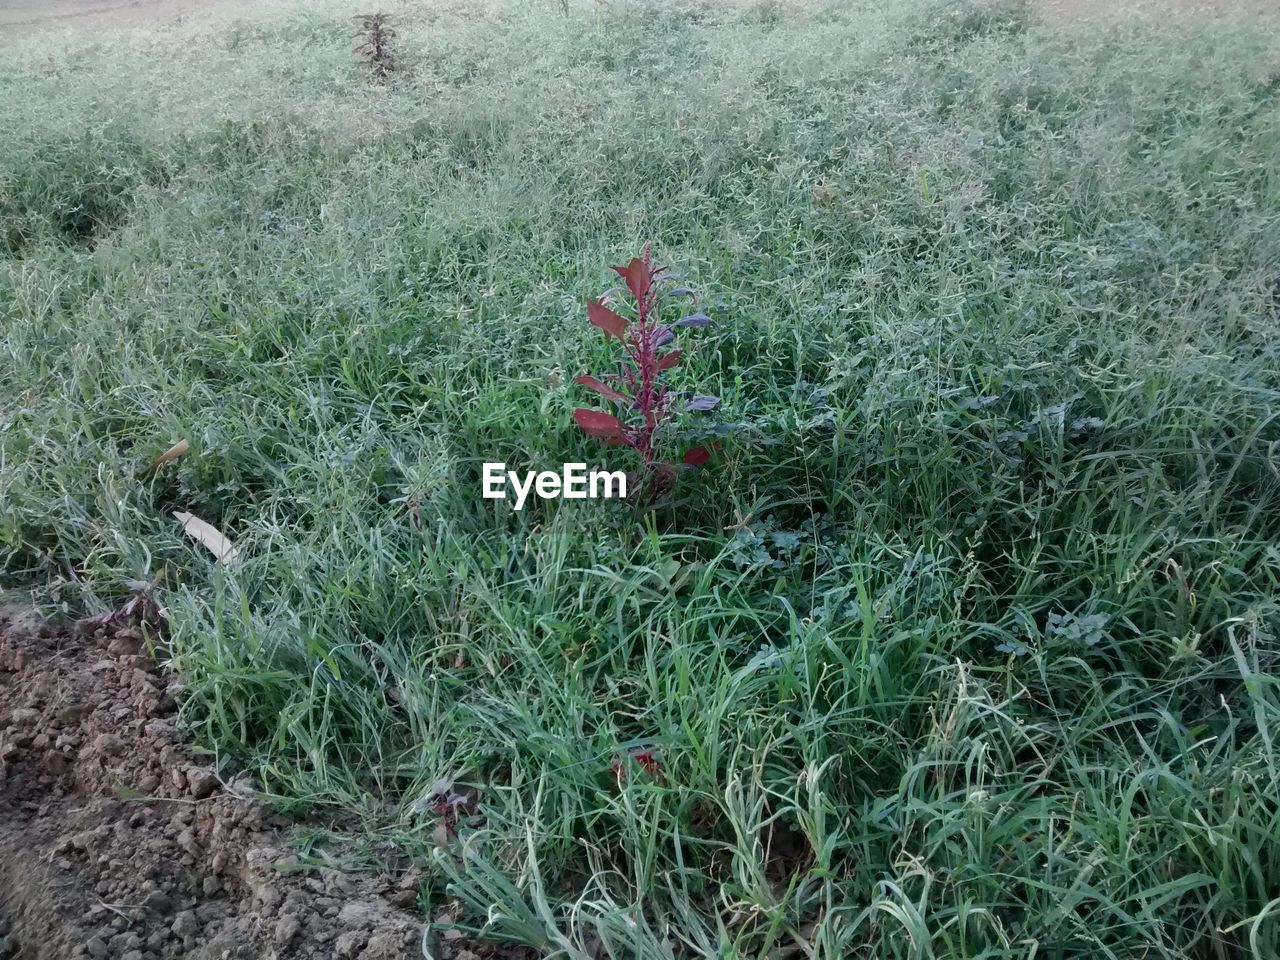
{"type": "Point", "coordinates": [118, 845]}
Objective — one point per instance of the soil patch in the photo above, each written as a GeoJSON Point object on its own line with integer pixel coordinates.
{"type": "Point", "coordinates": [117, 843]}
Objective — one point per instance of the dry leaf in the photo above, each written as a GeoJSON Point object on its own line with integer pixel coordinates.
{"type": "Point", "coordinates": [440, 834]}
{"type": "Point", "coordinates": [173, 453]}
{"type": "Point", "coordinates": [223, 550]}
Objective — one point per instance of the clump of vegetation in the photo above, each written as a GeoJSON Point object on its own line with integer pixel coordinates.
{"type": "Point", "coordinates": [637, 388]}
{"type": "Point", "coordinates": [374, 45]}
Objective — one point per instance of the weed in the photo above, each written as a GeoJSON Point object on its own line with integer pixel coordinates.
{"type": "Point", "coordinates": [638, 388]}
{"type": "Point", "coordinates": [375, 38]}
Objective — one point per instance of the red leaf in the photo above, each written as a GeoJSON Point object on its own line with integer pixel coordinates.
{"type": "Point", "coordinates": [606, 319]}
{"type": "Point", "coordinates": [695, 456]}
{"type": "Point", "coordinates": [598, 424]}
{"type": "Point", "coordinates": [669, 360]}
{"type": "Point", "coordinates": [637, 276]}
{"type": "Point", "coordinates": [600, 387]}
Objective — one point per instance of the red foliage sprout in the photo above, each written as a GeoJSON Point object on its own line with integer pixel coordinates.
{"type": "Point", "coordinates": [645, 403]}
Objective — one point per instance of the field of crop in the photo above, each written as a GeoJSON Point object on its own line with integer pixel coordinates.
{"type": "Point", "coordinates": [964, 644]}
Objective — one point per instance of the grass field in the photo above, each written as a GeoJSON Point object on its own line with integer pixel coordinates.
{"type": "Point", "coordinates": [964, 646]}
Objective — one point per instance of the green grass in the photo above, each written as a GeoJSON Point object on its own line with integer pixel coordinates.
{"type": "Point", "coordinates": [989, 671]}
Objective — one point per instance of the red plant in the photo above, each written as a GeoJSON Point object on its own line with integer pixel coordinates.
{"type": "Point", "coordinates": [645, 758]}
{"type": "Point", "coordinates": [646, 404]}
{"type": "Point", "coordinates": [140, 609]}
{"type": "Point", "coordinates": [375, 43]}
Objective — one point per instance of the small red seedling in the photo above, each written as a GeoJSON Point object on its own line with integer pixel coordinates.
{"type": "Point", "coordinates": [141, 609]}
{"type": "Point", "coordinates": [645, 758]}
{"type": "Point", "coordinates": [646, 404]}
{"type": "Point", "coordinates": [375, 38]}
{"type": "Point", "coordinates": [448, 806]}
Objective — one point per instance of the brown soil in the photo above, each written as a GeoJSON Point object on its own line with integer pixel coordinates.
{"type": "Point", "coordinates": [116, 843]}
